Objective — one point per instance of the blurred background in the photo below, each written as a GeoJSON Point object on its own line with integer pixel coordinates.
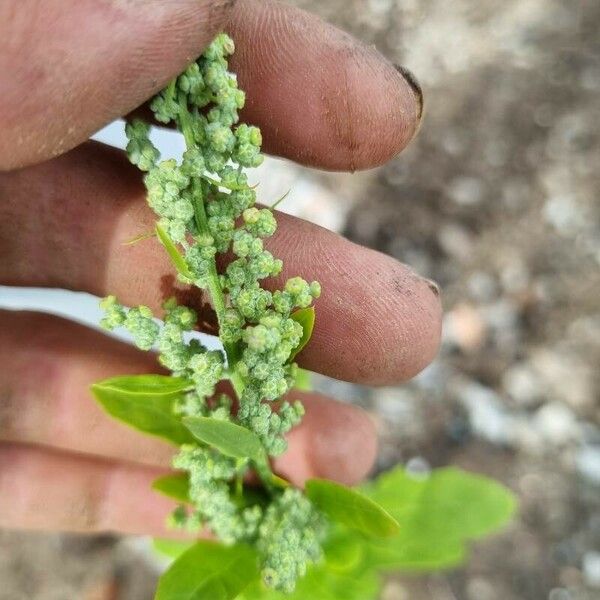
{"type": "Point", "coordinates": [496, 200]}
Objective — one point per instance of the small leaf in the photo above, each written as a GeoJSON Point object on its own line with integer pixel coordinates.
{"type": "Point", "coordinates": [171, 548]}
{"type": "Point", "coordinates": [280, 200]}
{"type": "Point", "coordinates": [303, 381]}
{"type": "Point", "coordinates": [343, 551]}
{"type": "Point", "coordinates": [140, 238]}
{"type": "Point", "coordinates": [230, 439]}
{"type": "Point", "coordinates": [306, 318]}
{"type": "Point", "coordinates": [439, 513]}
{"type": "Point", "coordinates": [176, 258]}
{"type": "Point", "coordinates": [351, 508]}
{"type": "Point", "coordinates": [145, 402]}
{"type": "Point", "coordinates": [209, 571]}
{"type": "Point", "coordinates": [221, 184]}
{"type": "Point", "coordinates": [407, 553]}
{"type": "Point", "coordinates": [280, 482]}
{"type": "Point", "coordinates": [176, 486]}
{"type": "Point", "coordinates": [147, 385]}
{"type": "Point", "coordinates": [449, 503]}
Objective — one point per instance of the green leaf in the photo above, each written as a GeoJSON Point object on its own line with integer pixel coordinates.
{"type": "Point", "coordinates": [351, 508]}
{"type": "Point", "coordinates": [343, 551]}
{"type": "Point", "coordinates": [280, 482]}
{"type": "Point", "coordinates": [303, 380]}
{"type": "Point", "coordinates": [439, 515]}
{"type": "Point", "coordinates": [306, 318]}
{"type": "Point", "coordinates": [171, 548]}
{"type": "Point", "coordinates": [412, 555]}
{"type": "Point", "coordinates": [209, 571]}
{"type": "Point", "coordinates": [321, 583]}
{"type": "Point", "coordinates": [176, 486]}
{"type": "Point", "coordinates": [147, 385]}
{"type": "Point", "coordinates": [176, 258]}
{"type": "Point", "coordinates": [230, 439]}
{"type": "Point", "coordinates": [145, 402]}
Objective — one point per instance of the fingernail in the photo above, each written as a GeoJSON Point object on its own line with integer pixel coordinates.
{"type": "Point", "coordinates": [432, 285]}
{"type": "Point", "coordinates": [414, 84]}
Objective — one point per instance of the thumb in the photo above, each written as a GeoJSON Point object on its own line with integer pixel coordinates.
{"type": "Point", "coordinates": [67, 68]}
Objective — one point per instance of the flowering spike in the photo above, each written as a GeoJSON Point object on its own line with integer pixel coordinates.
{"type": "Point", "coordinates": [205, 207]}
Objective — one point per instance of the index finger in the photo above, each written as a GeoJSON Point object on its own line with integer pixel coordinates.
{"type": "Point", "coordinates": [320, 97]}
{"type": "Point", "coordinates": [67, 68]}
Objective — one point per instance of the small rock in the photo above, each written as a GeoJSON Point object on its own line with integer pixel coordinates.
{"type": "Point", "coordinates": [566, 376]}
{"type": "Point", "coordinates": [591, 569]}
{"type": "Point", "coordinates": [514, 276]}
{"type": "Point", "coordinates": [487, 414]}
{"type": "Point", "coordinates": [556, 423]}
{"type": "Point", "coordinates": [394, 590]}
{"type": "Point", "coordinates": [559, 594]}
{"type": "Point", "coordinates": [522, 385]}
{"type": "Point", "coordinates": [482, 286]}
{"type": "Point", "coordinates": [501, 315]}
{"type": "Point", "coordinates": [464, 327]}
{"type": "Point", "coordinates": [466, 191]}
{"type": "Point", "coordinates": [564, 214]}
{"type": "Point", "coordinates": [480, 589]}
{"type": "Point", "coordinates": [587, 461]}
{"type": "Point", "coordinates": [456, 241]}
{"type": "Point", "coordinates": [418, 467]}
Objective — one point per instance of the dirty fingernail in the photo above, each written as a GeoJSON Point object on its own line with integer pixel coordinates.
{"type": "Point", "coordinates": [432, 285]}
{"type": "Point", "coordinates": [414, 85]}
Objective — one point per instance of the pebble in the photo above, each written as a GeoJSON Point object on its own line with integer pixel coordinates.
{"type": "Point", "coordinates": [522, 385]}
{"type": "Point", "coordinates": [565, 376]}
{"type": "Point", "coordinates": [464, 327]}
{"type": "Point", "coordinates": [456, 241]}
{"type": "Point", "coordinates": [587, 462]}
{"type": "Point", "coordinates": [488, 415]}
{"type": "Point", "coordinates": [481, 589]}
{"type": "Point", "coordinates": [559, 594]}
{"type": "Point", "coordinates": [482, 286]}
{"type": "Point", "coordinates": [418, 467]}
{"type": "Point", "coordinates": [591, 569]}
{"type": "Point", "coordinates": [556, 423]}
{"type": "Point", "coordinates": [466, 191]}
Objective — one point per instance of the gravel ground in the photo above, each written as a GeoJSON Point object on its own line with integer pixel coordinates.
{"type": "Point", "coordinates": [496, 200]}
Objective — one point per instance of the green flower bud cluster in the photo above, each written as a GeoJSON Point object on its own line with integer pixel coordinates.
{"type": "Point", "coordinates": [210, 473]}
{"type": "Point", "coordinates": [289, 539]}
{"type": "Point", "coordinates": [269, 425]}
{"type": "Point", "coordinates": [140, 149]}
{"type": "Point", "coordinates": [166, 184]}
{"type": "Point", "coordinates": [206, 208]}
{"type": "Point", "coordinates": [138, 321]}
{"type": "Point", "coordinates": [189, 359]}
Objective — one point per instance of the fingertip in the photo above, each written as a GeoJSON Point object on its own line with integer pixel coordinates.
{"type": "Point", "coordinates": [409, 327]}
{"type": "Point", "coordinates": [423, 332]}
{"type": "Point", "coordinates": [335, 441]}
{"type": "Point", "coordinates": [78, 64]}
{"type": "Point", "coordinates": [382, 110]}
{"type": "Point", "coordinates": [378, 322]}
{"type": "Point", "coordinates": [344, 445]}
{"type": "Point", "coordinates": [352, 109]}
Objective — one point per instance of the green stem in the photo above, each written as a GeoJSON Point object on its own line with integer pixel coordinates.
{"type": "Point", "coordinates": [214, 285]}
{"type": "Point", "coordinates": [216, 292]}
{"type": "Point", "coordinates": [239, 483]}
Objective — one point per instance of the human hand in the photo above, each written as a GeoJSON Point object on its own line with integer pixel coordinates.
{"type": "Point", "coordinates": [319, 97]}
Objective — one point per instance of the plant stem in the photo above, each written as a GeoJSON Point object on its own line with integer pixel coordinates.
{"type": "Point", "coordinates": [214, 285]}
{"type": "Point", "coordinates": [216, 293]}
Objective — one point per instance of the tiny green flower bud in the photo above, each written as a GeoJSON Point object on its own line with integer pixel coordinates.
{"type": "Point", "coordinates": [251, 215]}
